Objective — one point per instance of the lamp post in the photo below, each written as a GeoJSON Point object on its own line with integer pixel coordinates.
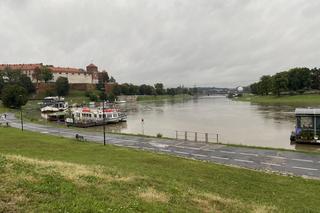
{"type": "Point", "coordinates": [21, 118]}
{"type": "Point", "coordinates": [104, 126]}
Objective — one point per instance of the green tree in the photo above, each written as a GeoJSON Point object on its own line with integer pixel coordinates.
{"type": "Point", "coordinates": [2, 82]}
{"type": "Point", "coordinates": [26, 82]}
{"type": "Point", "coordinates": [37, 74]}
{"type": "Point", "coordinates": [112, 79]}
{"type": "Point", "coordinates": [159, 88]}
{"type": "Point", "coordinates": [265, 85]}
{"type": "Point", "coordinates": [11, 76]}
{"type": "Point", "coordinates": [315, 78]}
{"type": "Point", "coordinates": [116, 89]}
{"type": "Point", "coordinates": [46, 74]}
{"type": "Point", "coordinates": [62, 86]}
{"type": "Point", "coordinates": [171, 91]}
{"type": "Point", "coordinates": [133, 89]}
{"type": "Point", "coordinates": [299, 79]}
{"type": "Point", "coordinates": [124, 89]}
{"type": "Point", "coordinates": [104, 77]}
{"type": "Point", "coordinates": [14, 96]}
{"type": "Point", "coordinates": [280, 83]}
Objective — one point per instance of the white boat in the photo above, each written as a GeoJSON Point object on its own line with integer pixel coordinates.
{"type": "Point", "coordinates": [85, 116]}
{"type": "Point", "coordinates": [53, 104]}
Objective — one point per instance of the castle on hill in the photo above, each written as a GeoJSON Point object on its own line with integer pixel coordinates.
{"type": "Point", "coordinates": [91, 75]}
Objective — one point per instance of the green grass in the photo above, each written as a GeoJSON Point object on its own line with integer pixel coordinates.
{"type": "Point", "coordinates": [42, 173]}
{"type": "Point", "coordinates": [162, 97]}
{"type": "Point", "coordinates": [293, 100]}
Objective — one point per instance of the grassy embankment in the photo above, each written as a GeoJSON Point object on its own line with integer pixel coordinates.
{"type": "Point", "coordinates": [294, 100]}
{"type": "Point", "coordinates": [162, 97]}
{"type": "Point", "coordinates": [43, 173]}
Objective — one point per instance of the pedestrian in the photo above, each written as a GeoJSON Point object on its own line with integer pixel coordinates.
{"type": "Point", "coordinates": [5, 115]}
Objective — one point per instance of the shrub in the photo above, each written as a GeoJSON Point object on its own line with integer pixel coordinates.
{"type": "Point", "coordinates": [14, 96]}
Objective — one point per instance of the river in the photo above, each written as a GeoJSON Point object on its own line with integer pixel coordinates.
{"type": "Point", "coordinates": [235, 122]}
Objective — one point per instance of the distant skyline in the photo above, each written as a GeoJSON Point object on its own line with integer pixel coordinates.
{"type": "Point", "coordinates": [221, 43]}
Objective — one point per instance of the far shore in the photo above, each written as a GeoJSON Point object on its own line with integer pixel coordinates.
{"type": "Point", "coordinates": [304, 100]}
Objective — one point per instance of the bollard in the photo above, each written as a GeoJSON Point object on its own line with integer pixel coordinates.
{"type": "Point", "coordinates": [207, 137]}
{"type": "Point", "coordinates": [185, 135]}
{"type": "Point", "coordinates": [217, 138]}
{"type": "Point", "coordinates": [195, 136]}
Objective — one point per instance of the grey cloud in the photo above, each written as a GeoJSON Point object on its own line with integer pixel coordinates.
{"type": "Point", "coordinates": [206, 42]}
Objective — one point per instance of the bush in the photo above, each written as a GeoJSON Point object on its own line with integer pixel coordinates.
{"type": "Point", "coordinates": [159, 135]}
{"type": "Point", "coordinates": [14, 96]}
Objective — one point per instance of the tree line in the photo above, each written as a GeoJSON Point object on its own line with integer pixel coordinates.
{"type": "Point", "coordinates": [295, 80]}
{"type": "Point", "coordinates": [144, 89]}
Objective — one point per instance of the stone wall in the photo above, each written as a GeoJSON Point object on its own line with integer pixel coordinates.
{"type": "Point", "coordinates": [41, 88]}
{"type": "Point", "coordinates": [75, 78]}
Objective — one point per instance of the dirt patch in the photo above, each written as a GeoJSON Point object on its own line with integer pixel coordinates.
{"type": "Point", "coordinates": [70, 171]}
{"type": "Point", "coordinates": [207, 202]}
{"type": "Point", "coordinates": [152, 195]}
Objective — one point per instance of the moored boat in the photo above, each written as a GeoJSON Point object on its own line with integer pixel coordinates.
{"type": "Point", "coordinates": [86, 117]}
{"type": "Point", "coordinates": [307, 129]}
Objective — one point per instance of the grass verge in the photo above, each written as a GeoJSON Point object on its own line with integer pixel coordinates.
{"type": "Point", "coordinates": [43, 173]}
{"type": "Point", "coordinates": [293, 100]}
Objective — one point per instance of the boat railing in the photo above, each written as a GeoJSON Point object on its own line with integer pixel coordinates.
{"type": "Point", "coordinates": [197, 136]}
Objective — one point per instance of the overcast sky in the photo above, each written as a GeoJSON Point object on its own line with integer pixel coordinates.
{"type": "Point", "coordinates": [222, 43]}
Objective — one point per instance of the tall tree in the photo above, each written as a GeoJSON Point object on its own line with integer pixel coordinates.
{"type": "Point", "coordinates": [62, 86]}
{"type": "Point", "coordinates": [159, 88]}
{"type": "Point", "coordinates": [265, 85]}
{"type": "Point", "coordinates": [315, 78]}
{"type": "Point", "coordinates": [299, 78]}
{"type": "Point", "coordinates": [26, 82]}
{"type": "Point", "coordinates": [37, 74]}
{"type": "Point", "coordinates": [112, 79]}
{"type": "Point", "coordinates": [46, 74]}
{"type": "Point", "coordinates": [280, 83]}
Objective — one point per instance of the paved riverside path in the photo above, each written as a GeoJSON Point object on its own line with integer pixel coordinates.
{"type": "Point", "coordinates": [286, 162]}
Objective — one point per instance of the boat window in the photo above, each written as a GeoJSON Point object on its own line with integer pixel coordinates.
{"type": "Point", "coordinates": [95, 115]}
{"type": "Point", "coordinates": [115, 115]}
{"type": "Point", "coordinates": [100, 116]}
{"type": "Point", "coordinates": [307, 122]}
{"type": "Point", "coordinates": [109, 115]}
{"type": "Point", "coordinates": [318, 122]}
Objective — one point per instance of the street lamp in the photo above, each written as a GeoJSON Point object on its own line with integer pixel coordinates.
{"type": "Point", "coordinates": [21, 114]}
{"type": "Point", "coordinates": [104, 122]}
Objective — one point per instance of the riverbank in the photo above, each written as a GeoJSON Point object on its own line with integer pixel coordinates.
{"type": "Point", "coordinates": [44, 173]}
{"type": "Point", "coordinates": [294, 100]}
{"type": "Point", "coordinates": [163, 97]}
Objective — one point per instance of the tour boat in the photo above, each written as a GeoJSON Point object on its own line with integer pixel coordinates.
{"type": "Point", "coordinates": [307, 128]}
{"type": "Point", "coordinates": [85, 116]}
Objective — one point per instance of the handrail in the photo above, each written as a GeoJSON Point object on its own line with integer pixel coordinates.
{"type": "Point", "coordinates": [197, 136]}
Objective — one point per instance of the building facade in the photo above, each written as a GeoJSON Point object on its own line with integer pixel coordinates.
{"type": "Point", "coordinates": [75, 75]}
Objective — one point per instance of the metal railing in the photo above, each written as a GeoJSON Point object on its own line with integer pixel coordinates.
{"type": "Point", "coordinates": [197, 136]}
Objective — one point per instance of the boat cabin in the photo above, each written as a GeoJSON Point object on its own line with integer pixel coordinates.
{"type": "Point", "coordinates": [307, 128]}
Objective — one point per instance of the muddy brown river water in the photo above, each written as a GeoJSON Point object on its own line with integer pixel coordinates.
{"type": "Point", "coordinates": [236, 122]}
